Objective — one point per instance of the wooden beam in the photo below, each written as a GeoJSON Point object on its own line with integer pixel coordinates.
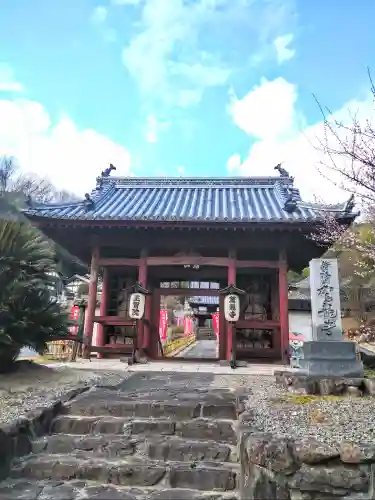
{"type": "Point", "coordinates": [205, 292]}
{"type": "Point", "coordinates": [113, 320]}
{"type": "Point", "coordinates": [91, 302]}
{"type": "Point", "coordinates": [267, 324]}
{"type": "Point", "coordinates": [118, 262]}
{"type": "Point", "coordinates": [103, 308]}
{"type": "Point", "coordinates": [142, 280]}
{"type": "Point", "coordinates": [284, 313]}
{"type": "Point", "coordinates": [187, 260]}
{"type": "Point", "coordinates": [251, 264]}
{"type": "Point", "coordinates": [232, 275]}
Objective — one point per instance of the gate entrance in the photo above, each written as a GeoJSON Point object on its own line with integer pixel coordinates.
{"type": "Point", "coordinates": [188, 322]}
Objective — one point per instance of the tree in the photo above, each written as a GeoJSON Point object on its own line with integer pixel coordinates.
{"type": "Point", "coordinates": [16, 188]}
{"type": "Point", "coordinates": [29, 316]}
{"type": "Point", "coordinates": [12, 180]}
{"type": "Point", "coordinates": [348, 149]}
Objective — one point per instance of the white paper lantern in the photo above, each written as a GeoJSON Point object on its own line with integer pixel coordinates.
{"type": "Point", "coordinates": [136, 305]}
{"type": "Point", "coordinates": [232, 307]}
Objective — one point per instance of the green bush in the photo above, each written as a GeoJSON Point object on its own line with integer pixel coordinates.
{"type": "Point", "coordinates": [29, 315]}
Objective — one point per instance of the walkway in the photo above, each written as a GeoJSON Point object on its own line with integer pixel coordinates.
{"type": "Point", "coordinates": [201, 349]}
{"type": "Point", "coordinates": [173, 365]}
{"type": "Point", "coordinates": [156, 436]}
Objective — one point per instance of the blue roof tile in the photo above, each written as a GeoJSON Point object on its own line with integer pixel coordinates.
{"type": "Point", "coordinates": [256, 199]}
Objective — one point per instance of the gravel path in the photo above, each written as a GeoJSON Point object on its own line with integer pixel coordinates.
{"type": "Point", "coordinates": [327, 419]}
{"type": "Point", "coordinates": [33, 385]}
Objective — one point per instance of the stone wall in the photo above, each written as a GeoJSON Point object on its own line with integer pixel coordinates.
{"type": "Point", "coordinates": [16, 437]}
{"type": "Point", "coordinates": [338, 386]}
{"type": "Point", "coordinates": [280, 468]}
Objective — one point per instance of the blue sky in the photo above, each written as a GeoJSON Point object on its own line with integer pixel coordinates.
{"type": "Point", "coordinates": [177, 87]}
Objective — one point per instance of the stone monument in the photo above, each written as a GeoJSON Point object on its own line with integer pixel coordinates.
{"type": "Point", "coordinates": [328, 354]}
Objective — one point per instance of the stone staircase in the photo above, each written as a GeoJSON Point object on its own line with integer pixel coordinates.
{"type": "Point", "coordinates": [159, 444]}
{"type": "Point", "coordinates": [205, 333]}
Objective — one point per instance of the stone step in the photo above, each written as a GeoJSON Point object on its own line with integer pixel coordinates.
{"type": "Point", "coordinates": [156, 448]}
{"type": "Point", "coordinates": [130, 472]}
{"type": "Point", "coordinates": [199, 428]}
{"type": "Point", "coordinates": [175, 409]}
{"type": "Point", "coordinates": [21, 489]}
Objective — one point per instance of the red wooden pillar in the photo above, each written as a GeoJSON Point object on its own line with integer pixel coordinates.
{"type": "Point", "coordinates": [142, 280]}
{"type": "Point", "coordinates": [231, 281]}
{"type": "Point", "coordinates": [91, 302]}
{"type": "Point", "coordinates": [284, 312]}
{"type": "Point", "coordinates": [103, 308]}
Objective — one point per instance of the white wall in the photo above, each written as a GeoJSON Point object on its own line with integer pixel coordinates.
{"type": "Point", "coordinates": [300, 322]}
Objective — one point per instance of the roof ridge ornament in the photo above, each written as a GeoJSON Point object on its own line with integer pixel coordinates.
{"type": "Point", "coordinates": [283, 172]}
{"type": "Point", "coordinates": [104, 174]}
{"type": "Point", "coordinates": [89, 202]}
{"type": "Point", "coordinates": [290, 202]}
{"type": "Point", "coordinates": [350, 204]}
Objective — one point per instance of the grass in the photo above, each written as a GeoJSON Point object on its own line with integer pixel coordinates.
{"type": "Point", "coordinates": [303, 399]}
{"type": "Point", "coordinates": [46, 359]}
{"type": "Point", "coordinates": [369, 373]}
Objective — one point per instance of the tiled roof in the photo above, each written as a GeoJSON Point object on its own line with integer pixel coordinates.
{"type": "Point", "coordinates": [252, 199]}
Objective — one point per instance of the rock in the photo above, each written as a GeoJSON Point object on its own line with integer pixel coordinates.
{"type": "Point", "coordinates": [73, 425]}
{"type": "Point", "coordinates": [370, 385]}
{"type": "Point", "coordinates": [327, 386]}
{"type": "Point", "coordinates": [258, 483]}
{"type": "Point", "coordinates": [185, 450]}
{"type": "Point", "coordinates": [182, 494]}
{"type": "Point", "coordinates": [304, 385]}
{"type": "Point", "coordinates": [271, 451]}
{"type": "Point", "coordinates": [356, 453]}
{"type": "Point", "coordinates": [107, 493]}
{"type": "Point", "coordinates": [311, 451]}
{"type": "Point", "coordinates": [207, 429]}
{"type": "Point", "coordinates": [20, 490]}
{"type": "Point", "coordinates": [354, 381]}
{"type": "Point", "coordinates": [353, 391]}
{"type": "Point", "coordinates": [102, 446]}
{"type": "Point", "coordinates": [6, 447]}
{"type": "Point", "coordinates": [202, 478]}
{"type": "Point", "coordinates": [60, 492]}
{"type": "Point", "coordinates": [219, 411]}
{"type": "Point", "coordinates": [150, 427]}
{"type": "Point", "coordinates": [123, 474]}
{"type": "Point", "coordinates": [339, 480]}
{"type": "Point", "coordinates": [178, 410]}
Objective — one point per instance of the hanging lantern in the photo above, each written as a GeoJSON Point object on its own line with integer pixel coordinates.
{"type": "Point", "coordinates": [232, 307]}
{"type": "Point", "coordinates": [231, 303]}
{"type": "Point", "coordinates": [137, 302]}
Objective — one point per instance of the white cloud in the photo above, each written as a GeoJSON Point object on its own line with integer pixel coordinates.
{"type": "Point", "coordinates": [267, 111]}
{"type": "Point", "coordinates": [99, 15]}
{"type": "Point", "coordinates": [8, 82]}
{"type": "Point", "coordinates": [70, 158]}
{"type": "Point", "coordinates": [233, 163]}
{"type": "Point", "coordinates": [126, 2]}
{"type": "Point", "coordinates": [299, 149]}
{"type": "Point", "coordinates": [172, 57]}
{"type": "Point", "coordinates": [283, 52]}
{"type": "Point", "coordinates": [154, 127]}
{"type": "Point", "coordinates": [151, 129]}
{"type": "Point", "coordinates": [180, 170]}
{"type": "Point", "coordinates": [99, 19]}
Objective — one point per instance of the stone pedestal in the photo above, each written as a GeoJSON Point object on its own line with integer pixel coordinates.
{"type": "Point", "coordinates": [331, 359]}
